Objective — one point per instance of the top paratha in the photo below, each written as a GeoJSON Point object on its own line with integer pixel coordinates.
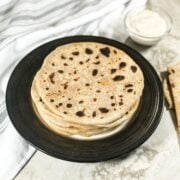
{"type": "Point", "coordinates": [89, 83]}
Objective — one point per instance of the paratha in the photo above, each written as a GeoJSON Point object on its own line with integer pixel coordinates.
{"type": "Point", "coordinates": [174, 80]}
{"type": "Point", "coordinates": [89, 83]}
{"type": "Point", "coordinates": [167, 93]}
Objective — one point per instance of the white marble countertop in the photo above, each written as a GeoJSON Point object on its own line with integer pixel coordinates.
{"type": "Point", "coordinates": [156, 159]}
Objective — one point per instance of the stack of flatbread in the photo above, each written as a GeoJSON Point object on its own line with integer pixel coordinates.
{"type": "Point", "coordinates": [172, 90]}
{"type": "Point", "coordinates": [87, 89]}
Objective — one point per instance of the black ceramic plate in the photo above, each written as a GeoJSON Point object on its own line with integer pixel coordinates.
{"type": "Point", "coordinates": [26, 122]}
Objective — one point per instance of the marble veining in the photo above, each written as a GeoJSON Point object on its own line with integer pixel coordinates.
{"type": "Point", "coordinates": [134, 169]}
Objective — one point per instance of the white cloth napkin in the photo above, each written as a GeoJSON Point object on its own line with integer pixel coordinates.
{"type": "Point", "coordinates": [25, 24]}
{"type": "Point", "coordinates": [14, 153]}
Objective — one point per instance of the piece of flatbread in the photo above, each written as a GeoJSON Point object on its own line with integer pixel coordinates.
{"type": "Point", "coordinates": [174, 80]}
{"type": "Point", "coordinates": [89, 83]}
{"type": "Point", "coordinates": [167, 93]}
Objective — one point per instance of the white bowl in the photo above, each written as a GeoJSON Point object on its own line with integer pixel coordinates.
{"type": "Point", "coordinates": [147, 40]}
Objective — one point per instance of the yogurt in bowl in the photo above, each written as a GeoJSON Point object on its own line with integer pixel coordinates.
{"type": "Point", "coordinates": [147, 26]}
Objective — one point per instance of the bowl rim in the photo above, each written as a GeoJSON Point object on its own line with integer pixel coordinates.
{"type": "Point", "coordinates": [152, 8]}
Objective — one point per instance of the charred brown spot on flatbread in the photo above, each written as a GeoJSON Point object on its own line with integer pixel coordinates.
{"type": "Point", "coordinates": [113, 71]}
{"type": "Point", "coordinates": [51, 100]}
{"type": "Point", "coordinates": [88, 60]}
{"type": "Point", "coordinates": [76, 79]}
{"type": "Point", "coordinates": [87, 84]}
{"type": "Point", "coordinates": [115, 52]}
{"type": "Point", "coordinates": [80, 113]}
{"type": "Point", "coordinates": [63, 57]}
{"type": "Point", "coordinates": [80, 102]}
{"type": "Point", "coordinates": [81, 63]}
{"type": "Point", "coordinates": [103, 110]}
{"type": "Point", "coordinates": [122, 65]}
{"type": "Point", "coordinates": [75, 53]}
{"type": "Point", "coordinates": [88, 51]}
{"type": "Point", "coordinates": [105, 51]}
{"type": "Point", "coordinates": [94, 114]}
{"type": "Point", "coordinates": [130, 90]}
{"type": "Point", "coordinates": [94, 72]}
{"type": "Point", "coordinates": [171, 71]}
{"type": "Point", "coordinates": [133, 69]}
{"type": "Point", "coordinates": [51, 77]}
{"type": "Point", "coordinates": [118, 78]}
{"type": "Point", "coordinates": [97, 62]}
{"type": "Point", "coordinates": [128, 85]}
{"type": "Point", "coordinates": [65, 85]}
{"type": "Point", "coordinates": [69, 105]}
{"type": "Point", "coordinates": [60, 71]}
{"type": "Point", "coordinates": [95, 99]}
